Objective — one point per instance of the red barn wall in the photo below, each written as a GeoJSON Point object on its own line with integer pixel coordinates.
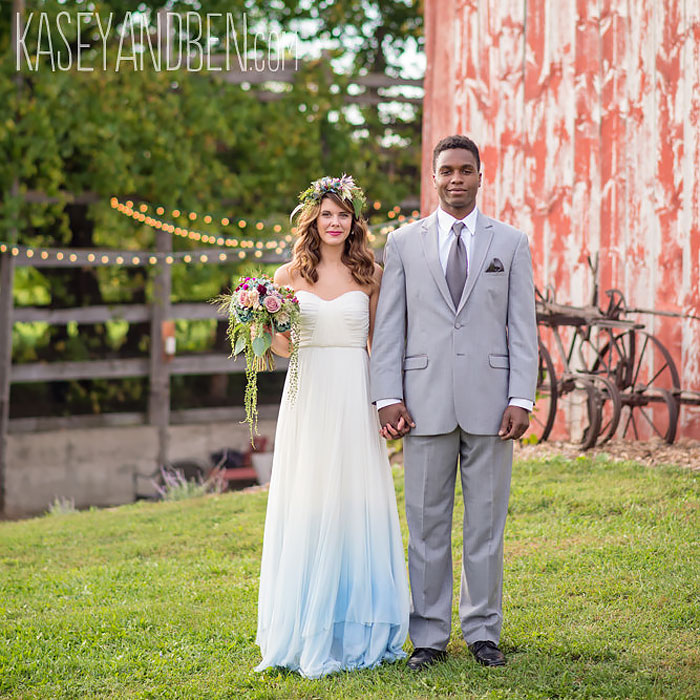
{"type": "Point", "coordinates": [587, 115]}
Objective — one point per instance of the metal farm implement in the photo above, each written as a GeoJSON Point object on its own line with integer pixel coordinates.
{"type": "Point", "coordinates": [614, 376]}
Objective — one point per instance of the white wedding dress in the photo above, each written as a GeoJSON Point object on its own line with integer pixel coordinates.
{"type": "Point", "coordinates": [333, 586]}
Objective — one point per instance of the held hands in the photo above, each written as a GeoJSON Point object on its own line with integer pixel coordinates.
{"type": "Point", "coordinates": [395, 420]}
{"type": "Point", "coordinates": [514, 423]}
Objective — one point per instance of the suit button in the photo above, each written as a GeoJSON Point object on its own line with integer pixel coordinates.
{"type": "Point", "coordinates": [458, 326]}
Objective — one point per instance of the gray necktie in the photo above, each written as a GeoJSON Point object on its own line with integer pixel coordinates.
{"type": "Point", "coordinates": [456, 270]}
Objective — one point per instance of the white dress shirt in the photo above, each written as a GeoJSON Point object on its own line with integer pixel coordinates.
{"type": "Point", "coordinates": [445, 222]}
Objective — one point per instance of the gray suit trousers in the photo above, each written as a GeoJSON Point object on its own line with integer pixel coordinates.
{"type": "Point", "coordinates": [430, 463]}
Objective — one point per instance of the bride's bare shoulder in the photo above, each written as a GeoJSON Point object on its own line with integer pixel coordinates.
{"type": "Point", "coordinates": [283, 275]}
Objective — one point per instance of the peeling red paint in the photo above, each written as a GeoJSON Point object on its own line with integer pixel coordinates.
{"type": "Point", "coordinates": [587, 113]}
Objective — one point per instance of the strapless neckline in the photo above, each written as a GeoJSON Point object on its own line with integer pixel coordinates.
{"type": "Point", "coordinates": [340, 296]}
{"type": "Point", "coordinates": [342, 321]}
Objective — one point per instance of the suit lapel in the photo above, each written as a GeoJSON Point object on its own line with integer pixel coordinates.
{"type": "Point", "coordinates": [429, 237]}
{"type": "Point", "coordinates": [482, 241]}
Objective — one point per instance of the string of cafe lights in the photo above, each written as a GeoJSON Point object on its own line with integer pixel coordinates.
{"type": "Point", "coordinates": [141, 215]}
{"type": "Point", "coordinates": [244, 248]}
{"type": "Point", "coordinates": [40, 256]}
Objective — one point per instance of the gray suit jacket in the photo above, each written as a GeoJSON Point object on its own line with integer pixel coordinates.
{"type": "Point", "coordinates": [455, 366]}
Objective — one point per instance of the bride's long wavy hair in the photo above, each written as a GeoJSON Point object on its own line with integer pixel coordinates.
{"type": "Point", "coordinates": [357, 255]}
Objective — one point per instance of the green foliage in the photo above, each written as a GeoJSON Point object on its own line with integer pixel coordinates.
{"type": "Point", "coordinates": [185, 139]}
{"type": "Point", "coordinates": [530, 439]}
{"type": "Point", "coordinates": [158, 600]}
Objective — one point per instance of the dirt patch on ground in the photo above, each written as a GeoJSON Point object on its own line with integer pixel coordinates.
{"type": "Point", "coordinates": [685, 453]}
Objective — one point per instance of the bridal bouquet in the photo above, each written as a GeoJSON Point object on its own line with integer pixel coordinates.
{"type": "Point", "coordinates": [257, 309]}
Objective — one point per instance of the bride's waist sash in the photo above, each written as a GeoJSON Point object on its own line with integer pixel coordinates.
{"type": "Point", "coordinates": [329, 346]}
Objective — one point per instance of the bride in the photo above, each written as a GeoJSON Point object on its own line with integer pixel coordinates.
{"type": "Point", "coordinates": [333, 588]}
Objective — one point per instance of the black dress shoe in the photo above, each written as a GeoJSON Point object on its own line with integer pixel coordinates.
{"type": "Point", "coordinates": [487, 654]}
{"type": "Point", "coordinates": [422, 657]}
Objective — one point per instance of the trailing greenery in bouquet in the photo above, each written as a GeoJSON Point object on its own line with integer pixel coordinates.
{"type": "Point", "coordinates": [256, 309]}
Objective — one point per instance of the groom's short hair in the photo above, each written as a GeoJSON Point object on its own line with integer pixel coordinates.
{"type": "Point", "coordinates": [456, 141]}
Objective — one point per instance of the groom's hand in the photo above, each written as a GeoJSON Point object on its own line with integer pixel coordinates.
{"type": "Point", "coordinates": [395, 420]}
{"type": "Point", "coordinates": [514, 423]}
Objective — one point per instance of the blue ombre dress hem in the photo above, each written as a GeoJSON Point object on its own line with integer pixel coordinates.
{"type": "Point", "coordinates": [372, 652]}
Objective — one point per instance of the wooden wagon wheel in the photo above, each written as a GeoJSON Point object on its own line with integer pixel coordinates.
{"type": "Point", "coordinates": [651, 403]}
{"type": "Point", "coordinates": [639, 419]}
{"type": "Point", "coordinates": [649, 385]}
{"type": "Point", "coordinates": [610, 407]}
{"type": "Point", "coordinates": [586, 402]}
{"type": "Point", "coordinates": [545, 409]}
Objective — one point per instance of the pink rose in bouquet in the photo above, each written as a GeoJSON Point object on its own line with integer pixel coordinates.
{"type": "Point", "coordinates": [244, 298]}
{"type": "Point", "coordinates": [273, 303]}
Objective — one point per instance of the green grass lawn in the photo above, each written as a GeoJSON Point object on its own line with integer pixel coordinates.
{"type": "Point", "coordinates": [158, 600]}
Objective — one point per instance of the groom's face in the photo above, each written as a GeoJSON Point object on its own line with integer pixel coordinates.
{"type": "Point", "coordinates": [457, 180]}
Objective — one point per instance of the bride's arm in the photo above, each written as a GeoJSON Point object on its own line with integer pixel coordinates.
{"type": "Point", "coordinates": [373, 301]}
{"type": "Point", "coordinates": [280, 344]}
{"type": "Point", "coordinates": [280, 341]}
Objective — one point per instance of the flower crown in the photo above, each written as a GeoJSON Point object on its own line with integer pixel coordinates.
{"type": "Point", "coordinates": [343, 186]}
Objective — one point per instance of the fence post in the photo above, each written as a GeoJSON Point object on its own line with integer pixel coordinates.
{"type": "Point", "coordinates": [7, 274]}
{"type": "Point", "coordinates": [159, 394]}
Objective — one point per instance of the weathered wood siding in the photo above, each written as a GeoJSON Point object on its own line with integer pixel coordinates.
{"type": "Point", "coordinates": [587, 114]}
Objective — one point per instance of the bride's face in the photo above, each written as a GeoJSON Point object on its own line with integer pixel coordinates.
{"type": "Point", "coordinates": [333, 223]}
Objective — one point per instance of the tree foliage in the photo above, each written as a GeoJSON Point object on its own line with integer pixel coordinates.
{"type": "Point", "coordinates": [188, 140]}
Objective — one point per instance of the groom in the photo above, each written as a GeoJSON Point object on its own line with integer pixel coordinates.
{"type": "Point", "coordinates": [453, 371]}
